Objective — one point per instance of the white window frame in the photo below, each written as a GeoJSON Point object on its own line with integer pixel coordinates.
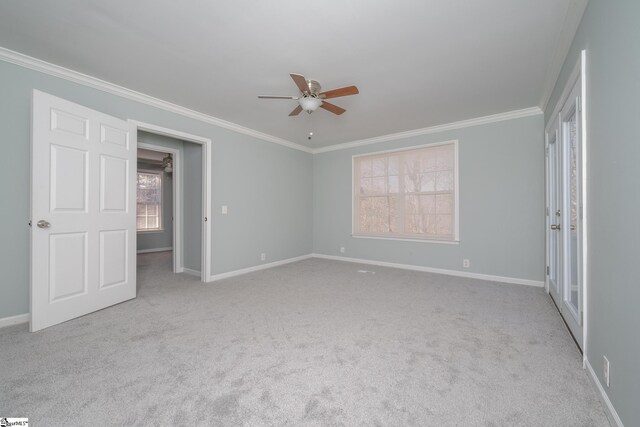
{"type": "Point", "coordinates": [405, 237]}
{"type": "Point", "coordinates": [160, 207]}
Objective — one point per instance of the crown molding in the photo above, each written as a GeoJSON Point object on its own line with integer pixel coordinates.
{"type": "Point", "coordinates": [26, 61]}
{"type": "Point", "coordinates": [39, 65]}
{"type": "Point", "coordinates": [570, 25]}
{"type": "Point", "coordinates": [509, 115]}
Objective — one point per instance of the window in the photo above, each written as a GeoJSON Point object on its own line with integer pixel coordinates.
{"type": "Point", "coordinates": [149, 206]}
{"type": "Point", "coordinates": [409, 193]}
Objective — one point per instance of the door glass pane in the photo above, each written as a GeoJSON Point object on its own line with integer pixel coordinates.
{"type": "Point", "coordinates": [572, 294]}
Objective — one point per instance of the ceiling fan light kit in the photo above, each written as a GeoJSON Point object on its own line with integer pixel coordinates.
{"type": "Point", "coordinates": [311, 98]}
{"type": "Point", "coordinates": [309, 103]}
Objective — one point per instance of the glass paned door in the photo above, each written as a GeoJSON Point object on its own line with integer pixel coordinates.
{"type": "Point", "coordinates": [554, 240]}
{"type": "Point", "coordinates": [564, 220]}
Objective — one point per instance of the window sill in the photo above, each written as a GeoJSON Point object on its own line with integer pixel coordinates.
{"type": "Point", "coordinates": [149, 231]}
{"type": "Point", "coordinates": [407, 239]}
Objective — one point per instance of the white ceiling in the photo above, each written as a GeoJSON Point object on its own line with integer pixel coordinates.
{"type": "Point", "coordinates": [417, 63]}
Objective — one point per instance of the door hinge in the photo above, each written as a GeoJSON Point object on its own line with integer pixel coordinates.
{"type": "Point", "coordinates": [547, 270]}
{"type": "Point", "coordinates": [547, 210]}
{"type": "Point", "coordinates": [579, 103]}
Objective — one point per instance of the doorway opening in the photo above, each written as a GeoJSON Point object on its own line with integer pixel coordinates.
{"type": "Point", "coordinates": [173, 209]}
{"type": "Point", "coordinates": [156, 204]}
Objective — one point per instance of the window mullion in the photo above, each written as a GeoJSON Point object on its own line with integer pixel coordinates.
{"type": "Point", "coordinates": [356, 191]}
{"type": "Point", "coordinates": [401, 195]}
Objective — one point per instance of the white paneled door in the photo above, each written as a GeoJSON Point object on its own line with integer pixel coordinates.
{"type": "Point", "coordinates": [83, 233]}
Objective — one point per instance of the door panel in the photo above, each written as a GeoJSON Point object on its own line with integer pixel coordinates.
{"type": "Point", "coordinates": [113, 184]}
{"type": "Point", "coordinates": [68, 122]}
{"type": "Point", "coordinates": [114, 262]}
{"type": "Point", "coordinates": [68, 265]}
{"type": "Point", "coordinates": [111, 135]}
{"type": "Point", "coordinates": [83, 223]}
{"type": "Point", "coordinates": [69, 168]}
{"type": "Point", "coordinates": [571, 122]}
{"type": "Point", "coordinates": [554, 241]}
{"type": "Point", "coordinates": [564, 244]}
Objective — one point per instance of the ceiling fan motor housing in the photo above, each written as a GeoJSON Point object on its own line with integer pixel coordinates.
{"type": "Point", "coordinates": [314, 87]}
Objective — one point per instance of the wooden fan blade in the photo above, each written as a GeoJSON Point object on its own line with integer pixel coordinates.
{"type": "Point", "coordinates": [343, 91]}
{"type": "Point", "coordinates": [296, 111]}
{"type": "Point", "coordinates": [301, 82]}
{"type": "Point", "coordinates": [277, 97]}
{"type": "Point", "coordinates": [333, 108]}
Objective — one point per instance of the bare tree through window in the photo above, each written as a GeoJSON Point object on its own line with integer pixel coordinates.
{"type": "Point", "coordinates": [407, 193]}
{"type": "Point", "coordinates": [149, 201]}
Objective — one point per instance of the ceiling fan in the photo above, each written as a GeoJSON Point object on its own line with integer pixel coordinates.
{"type": "Point", "coordinates": [311, 98]}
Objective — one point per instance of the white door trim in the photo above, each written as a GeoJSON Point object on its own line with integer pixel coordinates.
{"type": "Point", "coordinates": [177, 200]}
{"type": "Point", "coordinates": [206, 186]}
{"type": "Point", "coordinates": [585, 252]}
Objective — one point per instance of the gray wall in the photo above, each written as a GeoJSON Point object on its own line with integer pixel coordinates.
{"type": "Point", "coordinates": [611, 34]}
{"type": "Point", "coordinates": [501, 203]}
{"type": "Point", "coordinates": [159, 239]}
{"type": "Point", "coordinates": [192, 206]}
{"type": "Point", "coordinates": [266, 186]}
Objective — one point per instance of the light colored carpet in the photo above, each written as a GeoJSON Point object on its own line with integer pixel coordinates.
{"type": "Point", "coordinates": [310, 343]}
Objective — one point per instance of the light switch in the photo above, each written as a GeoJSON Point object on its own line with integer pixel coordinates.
{"type": "Point", "coordinates": [224, 209]}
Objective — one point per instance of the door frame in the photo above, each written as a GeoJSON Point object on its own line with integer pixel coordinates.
{"type": "Point", "coordinates": [176, 185]}
{"type": "Point", "coordinates": [206, 143]}
{"type": "Point", "coordinates": [579, 72]}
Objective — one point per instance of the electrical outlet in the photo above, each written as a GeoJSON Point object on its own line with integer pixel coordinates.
{"type": "Point", "coordinates": [263, 256]}
{"type": "Point", "coordinates": [342, 249]}
{"type": "Point", "coordinates": [605, 370]}
{"type": "Point", "coordinates": [224, 209]}
{"type": "Point", "coordinates": [466, 263]}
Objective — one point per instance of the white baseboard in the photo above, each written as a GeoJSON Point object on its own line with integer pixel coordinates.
{"type": "Point", "coordinates": [147, 251]}
{"type": "Point", "coordinates": [466, 274]}
{"type": "Point", "coordinates": [614, 419]}
{"type": "Point", "coordinates": [479, 276]}
{"type": "Point", "coordinates": [221, 276]}
{"type": "Point", "coordinates": [14, 320]}
{"type": "Point", "coordinates": [191, 272]}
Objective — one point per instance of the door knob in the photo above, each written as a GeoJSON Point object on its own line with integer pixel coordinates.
{"type": "Point", "coordinates": [555, 226]}
{"type": "Point", "coordinates": [43, 224]}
